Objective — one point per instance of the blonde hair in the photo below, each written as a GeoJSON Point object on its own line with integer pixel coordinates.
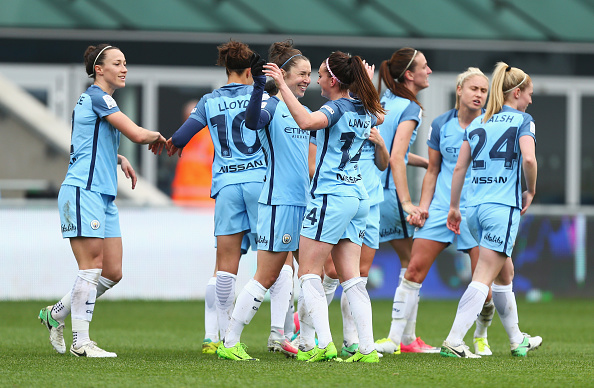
{"type": "Point", "coordinates": [462, 77]}
{"type": "Point", "coordinates": [504, 80]}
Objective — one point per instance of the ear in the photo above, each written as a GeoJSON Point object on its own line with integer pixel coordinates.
{"type": "Point", "coordinates": [248, 73]}
{"type": "Point", "coordinates": [459, 90]}
{"type": "Point", "coordinates": [517, 92]}
{"type": "Point", "coordinates": [409, 75]}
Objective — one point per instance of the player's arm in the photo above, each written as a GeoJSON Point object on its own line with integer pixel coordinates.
{"type": "Point", "coordinates": [183, 135]}
{"type": "Point", "coordinates": [127, 169]}
{"type": "Point", "coordinates": [382, 156]}
{"type": "Point", "coordinates": [529, 165]}
{"type": "Point", "coordinates": [132, 131]}
{"type": "Point", "coordinates": [430, 178]}
{"type": "Point", "coordinates": [417, 160]}
{"type": "Point", "coordinates": [454, 216]}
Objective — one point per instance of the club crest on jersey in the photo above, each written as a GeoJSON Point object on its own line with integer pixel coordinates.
{"type": "Point", "coordinates": [286, 238]}
{"type": "Point", "coordinates": [109, 101]}
{"type": "Point", "coordinates": [95, 224]}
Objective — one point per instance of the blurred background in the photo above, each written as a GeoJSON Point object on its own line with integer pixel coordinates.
{"type": "Point", "coordinates": [170, 47]}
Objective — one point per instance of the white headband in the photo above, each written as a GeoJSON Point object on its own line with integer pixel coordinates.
{"type": "Point", "coordinates": [95, 61]}
{"type": "Point", "coordinates": [518, 85]}
{"type": "Point", "coordinates": [409, 63]}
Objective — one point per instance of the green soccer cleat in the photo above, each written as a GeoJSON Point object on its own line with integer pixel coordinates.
{"type": "Point", "coordinates": [528, 344]}
{"type": "Point", "coordinates": [55, 328]}
{"type": "Point", "coordinates": [236, 352]}
{"type": "Point", "coordinates": [326, 354]}
{"type": "Point", "coordinates": [210, 347]}
{"type": "Point", "coordinates": [348, 351]}
{"type": "Point", "coordinates": [303, 355]}
{"type": "Point", "coordinates": [481, 347]}
{"type": "Point", "coordinates": [460, 351]}
{"type": "Point", "coordinates": [359, 357]}
{"type": "Point", "coordinates": [387, 346]}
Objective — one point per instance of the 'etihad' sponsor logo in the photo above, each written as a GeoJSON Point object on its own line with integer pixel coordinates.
{"type": "Point", "coordinates": [241, 167]}
{"type": "Point", "coordinates": [68, 228]}
{"type": "Point", "coordinates": [390, 231]}
{"type": "Point", "coordinates": [296, 131]}
{"type": "Point", "coordinates": [494, 239]}
{"type": "Point", "coordinates": [483, 180]}
{"type": "Point", "coordinates": [261, 240]}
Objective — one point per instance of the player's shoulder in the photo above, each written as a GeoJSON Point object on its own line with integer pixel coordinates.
{"type": "Point", "coordinates": [444, 118]}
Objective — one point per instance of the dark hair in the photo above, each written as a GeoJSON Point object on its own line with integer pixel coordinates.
{"type": "Point", "coordinates": [284, 54]}
{"type": "Point", "coordinates": [271, 88]}
{"type": "Point", "coordinates": [234, 56]}
{"type": "Point", "coordinates": [351, 75]}
{"type": "Point", "coordinates": [392, 72]}
{"type": "Point", "coordinates": [95, 55]}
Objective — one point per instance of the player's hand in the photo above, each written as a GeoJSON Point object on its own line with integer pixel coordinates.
{"type": "Point", "coordinates": [273, 71]}
{"type": "Point", "coordinates": [157, 146]}
{"type": "Point", "coordinates": [527, 198]}
{"type": "Point", "coordinates": [454, 220]}
{"type": "Point", "coordinates": [370, 69]}
{"type": "Point", "coordinates": [257, 64]}
{"type": "Point", "coordinates": [128, 170]}
{"type": "Point", "coordinates": [171, 149]}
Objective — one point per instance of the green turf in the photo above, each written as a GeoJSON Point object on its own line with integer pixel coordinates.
{"type": "Point", "coordinates": [158, 344]}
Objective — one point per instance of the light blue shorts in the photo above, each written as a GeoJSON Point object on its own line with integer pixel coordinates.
{"type": "Point", "coordinates": [436, 229]}
{"type": "Point", "coordinates": [279, 227]}
{"type": "Point", "coordinates": [330, 218]}
{"type": "Point", "coordinates": [393, 225]}
{"type": "Point", "coordinates": [236, 208]}
{"type": "Point", "coordinates": [85, 213]}
{"type": "Point", "coordinates": [371, 238]}
{"type": "Point", "coordinates": [494, 226]}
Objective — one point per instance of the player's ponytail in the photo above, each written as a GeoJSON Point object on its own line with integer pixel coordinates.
{"type": "Point", "coordinates": [393, 70]}
{"type": "Point", "coordinates": [504, 80]}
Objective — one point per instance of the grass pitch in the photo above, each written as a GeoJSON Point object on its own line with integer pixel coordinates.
{"type": "Point", "coordinates": [159, 344]}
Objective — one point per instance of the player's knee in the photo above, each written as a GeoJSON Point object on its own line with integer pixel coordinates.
{"type": "Point", "coordinates": [416, 274]}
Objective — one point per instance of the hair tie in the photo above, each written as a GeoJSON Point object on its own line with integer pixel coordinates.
{"type": "Point", "coordinates": [97, 57]}
{"type": "Point", "coordinates": [507, 69]}
{"type": "Point", "coordinates": [409, 63]}
{"type": "Point", "coordinates": [331, 73]}
{"type": "Point", "coordinates": [287, 61]}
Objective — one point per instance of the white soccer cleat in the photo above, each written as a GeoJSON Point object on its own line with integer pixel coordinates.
{"type": "Point", "coordinates": [528, 344]}
{"type": "Point", "coordinates": [387, 346]}
{"type": "Point", "coordinates": [481, 346]}
{"type": "Point", "coordinates": [90, 349]}
{"type": "Point", "coordinates": [55, 328]}
{"type": "Point", "coordinates": [461, 351]}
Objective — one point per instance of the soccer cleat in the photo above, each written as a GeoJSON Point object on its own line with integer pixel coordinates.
{"type": "Point", "coordinates": [461, 351]}
{"type": "Point", "coordinates": [358, 357]}
{"type": "Point", "coordinates": [236, 352]}
{"type": "Point", "coordinates": [282, 345]}
{"type": "Point", "coordinates": [348, 351]}
{"type": "Point", "coordinates": [209, 346]}
{"type": "Point", "coordinates": [528, 344]}
{"type": "Point", "coordinates": [55, 328]}
{"type": "Point", "coordinates": [481, 346]}
{"type": "Point", "coordinates": [326, 354]}
{"type": "Point", "coordinates": [90, 349]}
{"type": "Point", "coordinates": [387, 346]}
{"type": "Point", "coordinates": [303, 355]}
{"type": "Point", "coordinates": [418, 346]}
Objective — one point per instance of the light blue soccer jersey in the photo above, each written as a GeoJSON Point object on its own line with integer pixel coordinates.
{"type": "Point", "coordinates": [445, 136]}
{"type": "Point", "coordinates": [286, 148]}
{"type": "Point", "coordinates": [496, 157]}
{"type": "Point", "coordinates": [370, 173]}
{"type": "Point", "coordinates": [94, 143]}
{"type": "Point", "coordinates": [238, 156]}
{"type": "Point", "coordinates": [398, 110]}
{"type": "Point", "coordinates": [339, 149]}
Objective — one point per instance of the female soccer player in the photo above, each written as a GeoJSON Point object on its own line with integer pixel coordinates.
{"type": "Point", "coordinates": [444, 143]}
{"type": "Point", "coordinates": [238, 168]}
{"type": "Point", "coordinates": [282, 203]}
{"type": "Point", "coordinates": [337, 211]}
{"type": "Point", "coordinates": [88, 213]}
{"type": "Point", "coordinates": [497, 144]}
{"type": "Point", "coordinates": [405, 74]}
